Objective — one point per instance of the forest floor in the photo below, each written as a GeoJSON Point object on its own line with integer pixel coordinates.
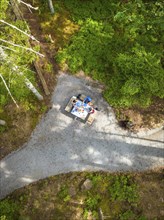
{"type": "Point", "coordinates": [62, 197]}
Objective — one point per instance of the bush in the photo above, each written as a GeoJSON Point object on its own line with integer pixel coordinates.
{"type": "Point", "coordinates": [123, 189]}
{"type": "Point", "coordinates": [8, 210]}
{"type": "Point", "coordinates": [92, 202]}
{"type": "Point", "coordinates": [64, 194]}
{"type": "Point", "coordinates": [136, 80]}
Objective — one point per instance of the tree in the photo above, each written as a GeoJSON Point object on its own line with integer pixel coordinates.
{"type": "Point", "coordinates": [51, 6]}
{"type": "Point", "coordinates": [120, 44]}
{"type": "Point", "coordinates": [137, 78]}
{"type": "Point", "coordinates": [15, 61]}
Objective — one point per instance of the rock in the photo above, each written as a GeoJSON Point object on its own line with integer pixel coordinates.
{"type": "Point", "coordinates": [2, 122]}
{"type": "Point", "coordinates": [72, 191]}
{"type": "Point", "coordinates": [87, 185]}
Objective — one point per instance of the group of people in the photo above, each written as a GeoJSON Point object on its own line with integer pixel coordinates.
{"type": "Point", "coordinates": [84, 105]}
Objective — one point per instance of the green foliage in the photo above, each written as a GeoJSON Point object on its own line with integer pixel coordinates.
{"type": "Point", "coordinates": [95, 178]}
{"type": "Point", "coordinates": [128, 215]}
{"type": "Point", "coordinates": [123, 189]}
{"type": "Point", "coordinates": [85, 214]}
{"type": "Point", "coordinates": [3, 8]}
{"type": "Point", "coordinates": [8, 210]}
{"type": "Point", "coordinates": [92, 201]}
{"type": "Point", "coordinates": [18, 60]}
{"type": "Point", "coordinates": [81, 10]}
{"type": "Point", "coordinates": [143, 218]}
{"type": "Point", "coordinates": [48, 67]}
{"type": "Point", "coordinates": [87, 50]}
{"type": "Point", "coordinates": [2, 128]}
{"type": "Point", "coordinates": [44, 6]}
{"type": "Point", "coordinates": [138, 77]}
{"type": "Point", "coordinates": [119, 44]}
{"type": "Point", "coordinates": [64, 194]}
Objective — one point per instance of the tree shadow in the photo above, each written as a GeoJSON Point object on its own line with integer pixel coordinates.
{"type": "Point", "coordinates": [60, 144]}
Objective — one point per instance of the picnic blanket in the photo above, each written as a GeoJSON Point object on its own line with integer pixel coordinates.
{"type": "Point", "coordinates": [80, 110]}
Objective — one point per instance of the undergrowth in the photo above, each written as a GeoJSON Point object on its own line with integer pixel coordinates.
{"type": "Point", "coordinates": [114, 195]}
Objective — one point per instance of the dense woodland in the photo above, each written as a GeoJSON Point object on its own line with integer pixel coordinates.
{"type": "Point", "coordinates": [120, 44]}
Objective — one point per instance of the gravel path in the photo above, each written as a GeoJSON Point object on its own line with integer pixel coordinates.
{"type": "Point", "coordinates": [60, 144]}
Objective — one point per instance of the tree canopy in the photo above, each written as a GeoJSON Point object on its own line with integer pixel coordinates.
{"type": "Point", "coordinates": [120, 44]}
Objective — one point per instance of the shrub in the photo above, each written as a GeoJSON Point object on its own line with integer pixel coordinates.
{"type": "Point", "coordinates": [123, 189]}
{"type": "Point", "coordinates": [92, 201]}
{"type": "Point", "coordinates": [63, 194]}
{"type": "Point", "coordinates": [8, 210]}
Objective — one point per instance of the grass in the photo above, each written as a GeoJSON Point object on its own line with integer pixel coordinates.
{"type": "Point", "coordinates": [121, 196]}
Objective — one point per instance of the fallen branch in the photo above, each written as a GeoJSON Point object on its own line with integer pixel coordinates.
{"type": "Point", "coordinates": [28, 5]}
{"type": "Point", "coordinates": [16, 10]}
{"type": "Point", "coordinates": [46, 90]}
{"type": "Point", "coordinates": [13, 26]}
{"type": "Point", "coordinates": [8, 90]}
{"type": "Point", "coordinates": [8, 48]}
{"type": "Point", "coordinates": [28, 84]}
{"type": "Point", "coordinates": [4, 57]}
{"type": "Point", "coordinates": [51, 6]}
{"type": "Point", "coordinates": [26, 48]}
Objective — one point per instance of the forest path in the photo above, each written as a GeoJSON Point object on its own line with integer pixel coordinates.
{"type": "Point", "coordinates": [60, 144]}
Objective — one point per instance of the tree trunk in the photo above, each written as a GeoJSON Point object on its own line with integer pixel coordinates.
{"type": "Point", "coordinates": [5, 58]}
{"type": "Point", "coordinates": [17, 12]}
{"type": "Point", "coordinates": [9, 91]}
{"type": "Point", "coordinates": [51, 6]}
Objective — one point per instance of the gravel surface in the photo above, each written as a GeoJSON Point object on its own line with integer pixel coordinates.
{"type": "Point", "coordinates": [60, 144]}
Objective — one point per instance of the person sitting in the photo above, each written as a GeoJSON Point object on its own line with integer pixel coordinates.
{"type": "Point", "coordinates": [79, 96]}
{"type": "Point", "coordinates": [91, 110]}
{"type": "Point", "coordinates": [87, 100]}
{"type": "Point", "coordinates": [74, 102]}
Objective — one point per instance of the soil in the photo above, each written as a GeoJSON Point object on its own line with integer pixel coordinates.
{"type": "Point", "coordinates": [143, 118]}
